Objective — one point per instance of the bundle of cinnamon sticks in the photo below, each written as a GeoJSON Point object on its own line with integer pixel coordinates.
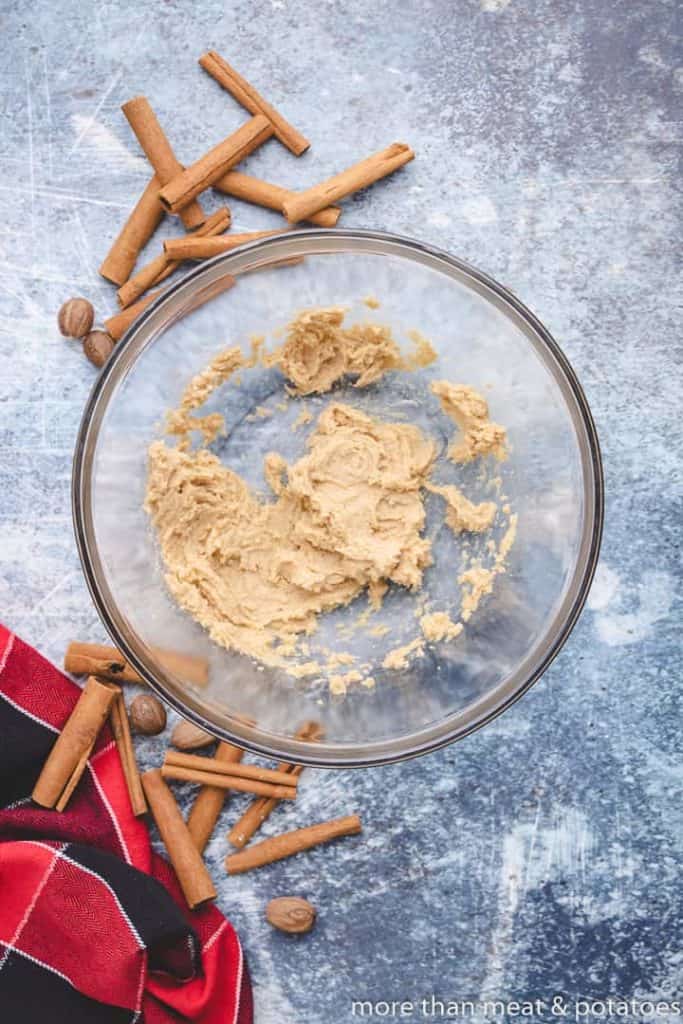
{"type": "Point", "coordinates": [102, 699]}
{"type": "Point", "coordinates": [217, 776]}
{"type": "Point", "coordinates": [176, 190]}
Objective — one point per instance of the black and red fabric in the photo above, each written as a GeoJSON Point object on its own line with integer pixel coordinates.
{"type": "Point", "coordinates": [93, 926]}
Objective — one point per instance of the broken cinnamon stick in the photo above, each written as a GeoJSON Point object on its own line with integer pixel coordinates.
{"type": "Point", "coordinates": [158, 151]}
{"type": "Point", "coordinates": [204, 248]}
{"type": "Point", "coordinates": [289, 843]}
{"type": "Point", "coordinates": [162, 266]}
{"type": "Point", "coordinates": [120, 726]}
{"type": "Point", "coordinates": [263, 193]}
{"type": "Point", "coordinates": [214, 778]}
{"type": "Point", "coordinates": [106, 662]}
{"type": "Point", "coordinates": [136, 232]}
{"type": "Point", "coordinates": [231, 768]}
{"type": "Point", "coordinates": [260, 809]}
{"type": "Point", "coordinates": [183, 188]}
{"type": "Point", "coordinates": [362, 174]}
{"type": "Point", "coordinates": [246, 94]}
{"type": "Point", "coordinates": [68, 757]}
{"type": "Point", "coordinates": [193, 877]}
{"type": "Point", "coordinates": [207, 807]}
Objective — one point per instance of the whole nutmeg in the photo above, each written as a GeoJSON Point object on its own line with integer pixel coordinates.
{"type": "Point", "coordinates": [147, 715]}
{"type": "Point", "coordinates": [291, 914]}
{"type": "Point", "coordinates": [187, 736]}
{"type": "Point", "coordinates": [75, 318]}
{"type": "Point", "coordinates": [98, 346]}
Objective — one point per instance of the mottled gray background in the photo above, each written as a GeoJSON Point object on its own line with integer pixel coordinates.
{"type": "Point", "coordinates": [541, 855]}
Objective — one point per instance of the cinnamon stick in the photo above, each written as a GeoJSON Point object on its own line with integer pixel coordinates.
{"type": "Point", "coordinates": [207, 807]}
{"type": "Point", "coordinates": [204, 248]}
{"type": "Point", "coordinates": [73, 780]}
{"type": "Point", "coordinates": [232, 768]}
{"type": "Point", "coordinates": [67, 759]}
{"type": "Point", "coordinates": [193, 877]}
{"type": "Point", "coordinates": [158, 151]}
{"type": "Point", "coordinates": [263, 193]}
{"type": "Point", "coordinates": [188, 667]}
{"type": "Point", "coordinates": [288, 261]}
{"type": "Point", "coordinates": [118, 324]}
{"type": "Point", "coordinates": [120, 726]}
{"type": "Point", "coordinates": [172, 771]}
{"type": "Point", "coordinates": [184, 187]}
{"type": "Point", "coordinates": [289, 843]}
{"type": "Point", "coordinates": [246, 94]}
{"type": "Point", "coordinates": [362, 174]}
{"type": "Point", "coordinates": [100, 660]}
{"type": "Point", "coordinates": [259, 810]}
{"type": "Point", "coordinates": [136, 232]}
{"type": "Point", "coordinates": [162, 266]}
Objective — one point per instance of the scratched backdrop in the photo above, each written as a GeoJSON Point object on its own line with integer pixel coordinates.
{"type": "Point", "coordinates": [541, 855]}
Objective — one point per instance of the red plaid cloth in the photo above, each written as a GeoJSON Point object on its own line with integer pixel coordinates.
{"type": "Point", "coordinates": [93, 927]}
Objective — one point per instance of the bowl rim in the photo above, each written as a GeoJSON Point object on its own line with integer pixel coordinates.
{"type": "Point", "coordinates": [455, 726]}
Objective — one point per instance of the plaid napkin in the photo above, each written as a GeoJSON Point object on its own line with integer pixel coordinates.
{"type": "Point", "coordinates": [93, 927]}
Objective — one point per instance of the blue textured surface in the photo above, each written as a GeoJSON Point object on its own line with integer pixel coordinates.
{"type": "Point", "coordinates": [542, 855]}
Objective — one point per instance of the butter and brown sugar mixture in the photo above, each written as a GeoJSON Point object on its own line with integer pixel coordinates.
{"type": "Point", "coordinates": [319, 351]}
{"type": "Point", "coordinates": [345, 518]}
{"type": "Point", "coordinates": [470, 411]}
{"type": "Point", "coordinates": [348, 513]}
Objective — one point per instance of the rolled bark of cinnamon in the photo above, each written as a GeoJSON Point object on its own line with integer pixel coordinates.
{"type": "Point", "coordinates": [68, 758]}
{"type": "Point", "coordinates": [152, 273]}
{"type": "Point", "coordinates": [172, 771]}
{"type": "Point", "coordinates": [118, 324]}
{"type": "Point", "coordinates": [207, 807]}
{"type": "Point", "coordinates": [193, 877]}
{"type": "Point", "coordinates": [183, 188]}
{"type": "Point", "coordinates": [229, 767]}
{"type": "Point", "coordinates": [188, 667]}
{"type": "Point", "coordinates": [263, 193]}
{"type": "Point", "coordinates": [106, 662]}
{"type": "Point", "coordinates": [158, 151]}
{"type": "Point", "coordinates": [254, 816]}
{"type": "Point", "coordinates": [162, 266]}
{"type": "Point", "coordinates": [136, 232]}
{"type": "Point", "coordinates": [120, 726]}
{"type": "Point", "coordinates": [362, 174]}
{"type": "Point", "coordinates": [259, 810]}
{"type": "Point", "coordinates": [193, 248]}
{"type": "Point", "coordinates": [289, 843]}
{"type": "Point", "coordinates": [289, 261]}
{"type": "Point", "coordinates": [98, 660]}
{"type": "Point", "coordinates": [246, 94]}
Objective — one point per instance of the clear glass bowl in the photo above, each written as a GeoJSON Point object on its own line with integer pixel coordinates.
{"type": "Point", "coordinates": [484, 337]}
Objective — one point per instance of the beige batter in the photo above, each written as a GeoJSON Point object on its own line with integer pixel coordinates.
{"type": "Point", "coordinates": [347, 517]}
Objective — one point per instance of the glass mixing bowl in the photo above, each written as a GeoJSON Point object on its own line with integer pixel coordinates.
{"type": "Point", "coordinates": [484, 337]}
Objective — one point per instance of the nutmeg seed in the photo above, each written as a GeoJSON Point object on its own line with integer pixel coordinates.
{"type": "Point", "coordinates": [291, 914]}
{"type": "Point", "coordinates": [187, 736]}
{"type": "Point", "coordinates": [98, 346]}
{"type": "Point", "coordinates": [147, 715]}
{"type": "Point", "coordinates": [75, 318]}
